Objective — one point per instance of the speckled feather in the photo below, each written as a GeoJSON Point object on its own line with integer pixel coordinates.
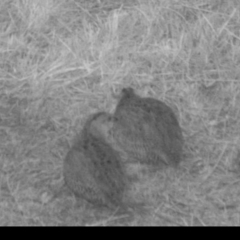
{"type": "Point", "coordinates": [147, 129]}
{"type": "Point", "coordinates": [93, 169]}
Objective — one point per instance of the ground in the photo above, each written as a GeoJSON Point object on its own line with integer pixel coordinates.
{"type": "Point", "coordinates": [62, 60]}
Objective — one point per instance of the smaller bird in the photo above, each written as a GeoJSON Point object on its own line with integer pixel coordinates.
{"type": "Point", "coordinates": [147, 129]}
{"type": "Point", "coordinates": [93, 169]}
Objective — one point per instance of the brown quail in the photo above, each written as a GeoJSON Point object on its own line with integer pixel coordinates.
{"type": "Point", "coordinates": [93, 169]}
{"type": "Point", "coordinates": [147, 129]}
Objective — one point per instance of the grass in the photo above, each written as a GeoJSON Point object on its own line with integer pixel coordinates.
{"type": "Point", "coordinates": [63, 60]}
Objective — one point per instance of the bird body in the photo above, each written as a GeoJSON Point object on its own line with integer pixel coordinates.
{"type": "Point", "coordinates": [93, 169]}
{"type": "Point", "coordinates": [147, 129]}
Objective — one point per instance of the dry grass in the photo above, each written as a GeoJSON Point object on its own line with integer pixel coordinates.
{"type": "Point", "coordinates": [62, 60]}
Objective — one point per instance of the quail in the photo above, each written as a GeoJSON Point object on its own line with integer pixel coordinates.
{"type": "Point", "coordinates": [93, 169]}
{"type": "Point", "coordinates": [147, 129]}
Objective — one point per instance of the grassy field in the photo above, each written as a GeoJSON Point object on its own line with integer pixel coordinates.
{"type": "Point", "coordinates": [62, 60]}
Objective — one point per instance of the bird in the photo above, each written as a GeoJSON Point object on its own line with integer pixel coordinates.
{"type": "Point", "coordinates": [147, 130]}
{"type": "Point", "coordinates": [93, 169]}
